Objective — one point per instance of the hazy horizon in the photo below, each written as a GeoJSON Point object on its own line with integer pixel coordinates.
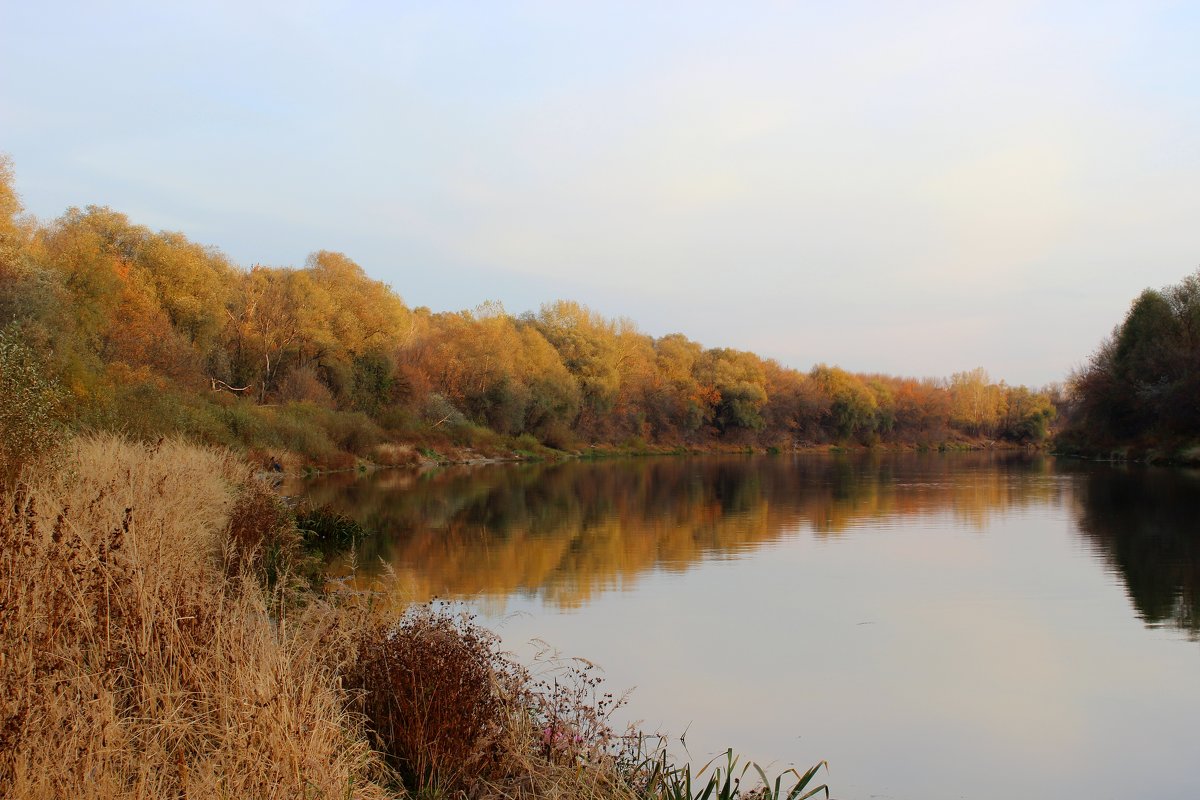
{"type": "Point", "coordinates": [913, 191]}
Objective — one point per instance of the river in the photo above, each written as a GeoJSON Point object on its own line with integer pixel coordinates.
{"type": "Point", "coordinates": [934, 625]}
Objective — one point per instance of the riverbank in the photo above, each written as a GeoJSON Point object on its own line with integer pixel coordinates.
{"type": "Point", "coordinates": [1160, 452]}
{"type": "Point", "coordinates": [161, 639]}
{"type": "Point", "coordinates": [398, 454]}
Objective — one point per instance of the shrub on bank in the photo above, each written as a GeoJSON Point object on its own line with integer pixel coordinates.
{"type": "Point", "coordinates": [433, 691]}
{"type": "Point", "coordinates": [29, 405]}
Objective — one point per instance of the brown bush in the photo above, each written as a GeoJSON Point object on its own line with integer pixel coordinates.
{"type": "Point", "coordinates": [264, 543]}
{"type": "Point", "coordinates": [433, 690]}
{"type": "Point", "coordinates": [391, 454]}
{"type": "Point", "coordinates": [457, 717]}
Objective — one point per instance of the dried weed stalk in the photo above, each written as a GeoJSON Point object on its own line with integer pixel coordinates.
{"type": "Point", "coordinates": [133, 665]}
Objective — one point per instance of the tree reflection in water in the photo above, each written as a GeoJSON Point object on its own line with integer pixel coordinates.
{"type": "Point", "coordinates": [1145, 522]}
{"type": "Point", "coordinates": [565, 531]}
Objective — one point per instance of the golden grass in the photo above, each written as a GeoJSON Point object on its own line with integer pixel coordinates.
{"type": "Point", "coordinates": [154, 643]}
{"type": "Point", "coordinates": [133, 665]}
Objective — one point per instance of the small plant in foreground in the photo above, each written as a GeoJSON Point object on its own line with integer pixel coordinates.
{"type": "Point", "coordinates": [661, 780]}
{"type": "Point", "coordinates": [572, 713]}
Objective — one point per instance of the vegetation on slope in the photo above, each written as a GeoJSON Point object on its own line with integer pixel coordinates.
{"type": "Point", "coordinates": [151, 334]}
{"type": "Point", "coordinates": [157, 641]}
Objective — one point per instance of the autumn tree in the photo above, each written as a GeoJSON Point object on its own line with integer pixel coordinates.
{"type": "Point", "coordinates": [852, 405]}
{"type": "Point", "coordinates": [737, 383]}
{"type": "Point", "coordinates": [922, 409]}
{"type": "Point", "coordinates": [592, 349]}
{"type": "Point", "coordinates": [32, 298]}
{"type": "Point", "coordinates": [1027, 415]}
{"type": "Point", "coordinates": [498, 371]}
{"type": "Point", "coordinates": [10, 231]}
{"type": "Point", "coordinates": [977, 404]}
{"type": "Point", "coordinates": [675, 404]}
{"type": "Point", "coordinates": [193, 283]}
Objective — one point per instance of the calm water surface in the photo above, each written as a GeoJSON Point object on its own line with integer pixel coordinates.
{"type": "Point", "coordinates": [934, 626]}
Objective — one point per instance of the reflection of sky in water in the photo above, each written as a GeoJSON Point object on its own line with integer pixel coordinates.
{"type": "Point", "coordinates": [933, 663]}
{"type": "Point", "coordinates": [960, 647]}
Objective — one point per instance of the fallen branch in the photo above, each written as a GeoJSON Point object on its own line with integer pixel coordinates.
{"type": "Point", "coordinates": [219, 385]}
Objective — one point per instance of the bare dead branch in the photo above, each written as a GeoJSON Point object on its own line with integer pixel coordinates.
{"type": "Point", "coordinates": [219, 386]}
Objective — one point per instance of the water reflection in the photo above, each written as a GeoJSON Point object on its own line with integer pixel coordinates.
{"type": "Point", "coordinates": [1145, 522]}
{"type": "Point", "coordinates": [566, 531]}
{"type": "Point", "coordinates": [923, 622]}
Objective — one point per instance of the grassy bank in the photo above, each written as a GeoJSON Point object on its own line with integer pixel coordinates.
{"type": "Point", "coordinates": [161, 638]}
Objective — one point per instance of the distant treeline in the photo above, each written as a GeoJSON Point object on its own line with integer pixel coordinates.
{"type": "Point", "coordinates": [1140, 392]}
{"type": "Point", "coordinates": [152, 333]}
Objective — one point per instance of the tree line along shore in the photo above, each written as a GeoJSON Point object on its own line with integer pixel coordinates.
{"type": "Point", "coordinates": [151, 333]}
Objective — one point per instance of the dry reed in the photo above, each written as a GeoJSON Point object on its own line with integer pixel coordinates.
{"type": "Point", "coordinates": [155, 642]}
{"type": "Point", "coordinates": [133, 665]}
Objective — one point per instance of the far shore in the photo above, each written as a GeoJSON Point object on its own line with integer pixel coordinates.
{"type": "Point", "coordinates": [292, 465]}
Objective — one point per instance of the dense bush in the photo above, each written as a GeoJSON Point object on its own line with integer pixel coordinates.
{"type": "Point", "coordinates": [1142, 386]}
{"type": "Point", "coordinates": [30, 405]}
{"type": "Point", "coordinates": [434, 689]}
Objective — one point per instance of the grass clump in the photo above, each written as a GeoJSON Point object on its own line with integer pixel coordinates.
{"type": "Point", "coordinates": [665, 781]}
{"type": "Point", "coordinates": [264, 542]}
{"type": "Point", "coordinates": [326, 529]}
{"type": "Point", "coordinates": [136, 666]}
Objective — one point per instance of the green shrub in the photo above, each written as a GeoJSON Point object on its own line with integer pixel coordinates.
{"type": "Point", "coordinates": [527, 443]}
{"type": "Point", "coordinates": [399, 419]}
{"type": "Point", "coordinates": [146, 411]}
{"type": "Point", "coordinates": [243, 423]}
{"type": "Point", "coordinates": [298, 427]}
{"type": "Point", "coordinates": [204, 421]}
{"type": "Point", "coordinates": [354, 432]}
{"type": "Point", "coordinates": [30, 405]}
{"type": "Point", "coordinates": [468, 434]}
{"type": "Point", "coordinates": [327, 529]}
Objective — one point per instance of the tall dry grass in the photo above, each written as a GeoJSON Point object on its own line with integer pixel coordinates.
{"type": "Point", "coordinates": [135, 663]}
{"type": "Point", "coordinates": [157, 641]}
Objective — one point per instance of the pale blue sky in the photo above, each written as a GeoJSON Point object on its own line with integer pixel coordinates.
{"type": "Point", "coordinates": [913, 188]}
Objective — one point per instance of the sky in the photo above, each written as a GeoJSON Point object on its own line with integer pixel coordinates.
{"type": "Point", "coordinates": [911, 188]}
